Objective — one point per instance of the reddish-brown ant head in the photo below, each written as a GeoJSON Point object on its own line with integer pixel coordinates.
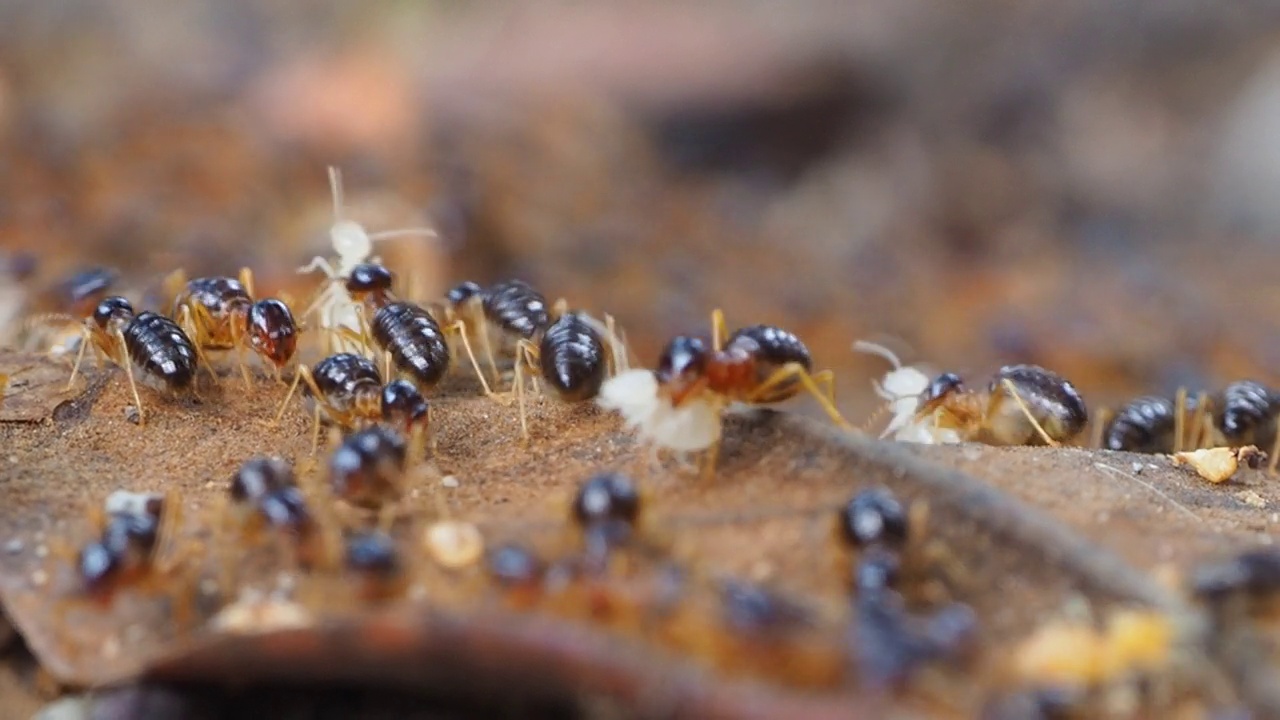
{"type": "Point", "coordinates": [683, 360]}
{"type": "Point", "coordinates": [273, 333]}
{"type": "Point", "coordinates": [939, 390]}
{"type": "Point", "coordinates": [368, 278]}
{"type": "Point", "coordinates": [113, 309]}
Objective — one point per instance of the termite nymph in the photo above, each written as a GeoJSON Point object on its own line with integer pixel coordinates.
{"type": "Point", "coordinates": [679, 404]}
{"type": "Point", "coordinates": [157, 345]}
{"type": "Point", "coordinates": [367, 470]}
{"type": "Point", "coordinates": [353, 246]}
{"type": "Point", "coordinates": [1022, 405]}
{"type": "Point", "coordinates": [264, 496]}
{"type": "Point", "coordinates": [1145, 425]}
{"type": "Point", "coordinates": [220, 314]}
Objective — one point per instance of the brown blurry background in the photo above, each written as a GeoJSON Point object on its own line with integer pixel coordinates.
{"type": "Point", "coordinates": [1090, 185]}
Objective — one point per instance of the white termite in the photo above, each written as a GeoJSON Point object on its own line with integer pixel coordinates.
{"type": "Point", "coordinates": [902, 388]}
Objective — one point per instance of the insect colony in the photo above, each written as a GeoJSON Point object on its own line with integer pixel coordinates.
{"type": "Point", "coordinates": [386, 355]}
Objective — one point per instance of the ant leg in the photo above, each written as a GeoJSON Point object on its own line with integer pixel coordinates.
{"type": "Point", "coordinates": [1180, 420]}
{"type": "Point", "coordinates": [1017, 398]}
{"type": "Point", "coordinates": [488, 350]}
{"type": "Point", "coordinates": [528, 353]}
{"type": "Point", "coordinates": [796, 370]}
{"type": "Point", "coordinates": [386, 367]}
{"type": "Point", "coordinates": [519, 387]}
{"type": "Point", "coordinates": [297, 377]}
{"type": "Point", "coordinates": [318, 263]}
{"type": "Point", "coordinates": [461, 328]}
{"type": "Point", "coordinates": [128, 369]}
{"type": "Point", "coordinates": [75, 369]}
{"type": "Point", "coordinates": [1100, 421]}
{"type": "Point", "coordinates": [710, 459]}
{"type": "Point", "coordinates": [315, 430]}
{"type": "Point", "coordinates": [246, 279]}
{"type": "Point", "coordinates": [191, 322]}
{"type": "Point", "coordinates": [1200, 422]}
{"type": "Point", "coordinates": [826, 379]}
{"type": "Point", "coordinates": [237, 341]}
{"type": "Point", "coordinates": [719, 333]}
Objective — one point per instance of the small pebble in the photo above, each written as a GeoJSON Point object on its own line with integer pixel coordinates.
{"type": "Point", "coordinates": [13, 459]}
{"type": "Point", "coordinates": [450, 481]}
{"type": "Point", "coordinates": [14, 546]}
{"type": "Point", "coordinates": [1137, 468]}
{"type": "Point", "coordinates": [131, 414]}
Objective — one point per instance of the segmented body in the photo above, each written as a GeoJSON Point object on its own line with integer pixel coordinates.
{"type": "Point", "coordinates": [161, 349]}
{"type": "Point", "coordinates": [1246, 413]}
{"type": "Point", "coordinates": [347, 381]}
{"type": "Point", "coordinates": [223, 301]}
{"type": "Point", "coordinates": [123, 550]}
{"type": "Point", "coordinates": [414, 340]}
{"type": "Point", "coordinates": [572, 358]}
{"type": "Point", "coordinates": [1050, 398]}
{"type": "Point", "coordinates": [1145, 425]}
{"type": "Point", "coordinates": [516, 308]}
{"type": "Point", "coordinates": [267, 487]}
{"type": "Point", "coordinates": [771, 348]}
{"type": "Point", "coordinates": [364, 470]}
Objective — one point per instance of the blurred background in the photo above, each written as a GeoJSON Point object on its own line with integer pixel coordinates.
{"type": "Point", "coordinates": [1091, 185]}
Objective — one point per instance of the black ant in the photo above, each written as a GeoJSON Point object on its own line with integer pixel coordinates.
{"type": "Point", "coordinates": [375, 560]}
{"type": "Point", "coordinates": [1021, 405]}
{"type": "Point", "coordinates": [347, 388]}
{"type": "Point", "coordinates": [679, 405]}
{"type": "Point", "coordinates": [153, 342]}
{"type": "Point", "coordinates": [366, 471]}
{"type": "Point", "coordinates": [219, 313]}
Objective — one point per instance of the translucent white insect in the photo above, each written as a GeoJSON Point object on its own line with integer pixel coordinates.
{"type": "Point", "coordinates": [340, 315]}
{"type": "Point", "coordinates": [691, 427]}
{"type": "Point", "coordinates": [902, 388]}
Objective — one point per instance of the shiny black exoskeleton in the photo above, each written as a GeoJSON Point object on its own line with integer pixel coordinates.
{"type": "Point", "coordinates": [874, 516]}
{"type": "Point", "coordinates": [349, 382]}
{"type": "Point", "coordinates": [369, 278]}
{"type": "Point", "coordinates": [1046, 393]}
{"type": "Point", "coordinates": [373, 552]}
{"type": "Point", "coordinates": [365, 469]}
{"type": "Point", "coordinates": [772, 347]}
{"type": "Point", "coordinates": [162, 349]}
{"type": "Point", "coordinates": [123, 550]}
{"type": "Point", "coordinates": [415, 341]}
{"type": "Point", "coordinates": [573, 358]}
{"type": "Point", "coordinates": [515, 566]}
{"type": "Point", "coordinates": [517, 308]}
{"type": "Point", "coordinates": [463, 292]}
{"type": "Point", "coordinates": [267, 485]}
{"type": "Point", "coordinates": [607, 496]}
{"type": "Point", "coordinates": [272, 330]}
{"type": "Point", "coordinates": [403, 406]}
{"type": "Point", "coordinates": [1145, 425]}
{"type": "Point", "coordinates": [1245, 413]}
{"type": "Point", "coordinates": [219, 296]}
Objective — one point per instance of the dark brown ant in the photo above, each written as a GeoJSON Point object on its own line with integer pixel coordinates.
{"type": "Point", "coordinates": [1145, 425]}
{"type": "Point", "coordinates": [607, 509]}
{"type": "Point", "coordinates": [375, 560]}
{"type": "Point", "coordinates": [132, 548]}
{"type": "Point", "coordinates": [1246, 413]}
{"type": "Point", "coordinates": [219, 313]}
{"type": "Point", "coordinates": [679, 404]}
{"type": "Point", "coordinates": [153, 342]}
{"type": "Point", "coordinates": [367, 469]}
{"type": "Point", "coordinates": [264, 495]}
{"type": "Point", "coordinates": [347, 389]}
{"type": "Point", "coordinates": [1023, 404]}
{"type": "Point", "coordinates": [407, 334]}
{"type": "Point", "coordinates": [873, 517]}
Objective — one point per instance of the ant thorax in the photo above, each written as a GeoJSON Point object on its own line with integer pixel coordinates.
{"type": "Point", "coordinates": [636, 395]}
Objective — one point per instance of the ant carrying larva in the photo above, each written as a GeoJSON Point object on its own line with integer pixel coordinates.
{"type": "Point", "coordinates": [353, 246]}
{"type": "Point", "coordinates": [679, 405]}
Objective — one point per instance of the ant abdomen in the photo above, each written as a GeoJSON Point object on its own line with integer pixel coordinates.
{"type": "Point", "coordinates": [1145, 425]}
{"type": "Point", "coordinates": [1048, 397]}
{"type": "Point", "coordinates": [1246, 413]}
{"type": "Point", "coordinates": [772, 348]}
{"type": "Point", "coordinates": [415, 341]}
{"type": "Point", "coordinates": [365, 469]}
{"type": "Point", "coordinates": [349, 382]}
{"type": "Point", "coordinates": [516, 308]}
{"type": "Point", "coordinates": [573, 358]}
{"type": "Point", "coordinates": [162, 349]}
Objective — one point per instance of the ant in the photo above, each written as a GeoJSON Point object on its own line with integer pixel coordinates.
{"type": "Point", "coordinates": [680, 404]}
{"type": "Point", "coordinates": [132, 546]}
{"type": "Point", "coordinates": [353, 246]}
{"type": "Point", "coordinates": [348, 389]}
{"type": "Point", "coordinates": [1021, 404]}
{"type": "Point", "coordinates": [264, 495]}
{"type": "Point", "coordinates": [381, 571]}
{"type": "Point", "coordinates": [153, 342]}
{"type": "Point", "coordinates": [366, 471]}
{"type": "Point", "coordinates": [607, 509]}
{"type": "Point", "coordinates": [219, 313]}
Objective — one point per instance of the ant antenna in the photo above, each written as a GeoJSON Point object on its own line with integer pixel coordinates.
{"type": "Point", "coordinates": [335, 187]}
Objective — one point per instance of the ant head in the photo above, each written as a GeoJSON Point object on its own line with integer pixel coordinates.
{"type": "Point", "coordinates": [402, 402]}
{"type": "Point", "coordinates": [372, 552]}
{"type": "Point", "coordinates": [463, 292]}
{"type": "Point", "coordinates": [350, 240]}
{"type": "Point", "coordinates": [941, 387]}
{"type": "Point", "coordinates": [369, 278]}
{"type": "Point", "coordinates": [608, 496]}
{"type": "Point", "coordinates": [96, 563]}
{"type": "Point", "coordinates": [272, 331]}
{"type": "Point", "coordinates": [112, 309]}
{"type": "Point", "coordinates": [259, 476]}
{"type": "Point", "coordinates": [684, 358]}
